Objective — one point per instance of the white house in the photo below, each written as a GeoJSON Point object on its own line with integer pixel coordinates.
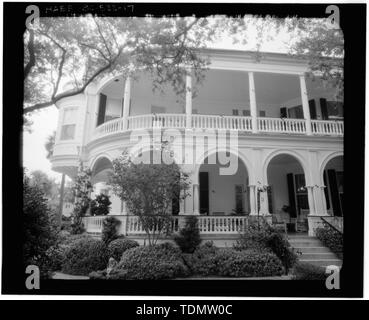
{"type": "Point", "coordinates": [288, 129]}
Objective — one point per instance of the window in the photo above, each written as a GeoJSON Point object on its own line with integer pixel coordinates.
{"type": "Point", "coordinates": [270, 199]}
{"type": "Point", "coordinates": [239, 198]}
{"type": "Point", "coordinates": [68, 128]}
{"type": "Point", "coordinates": [113, 109]}
{"type": "Point", "coordinates": [339, 175]}
{"type": "Point", "coordinates": [235, 112]}
{"type": "Point", "coordinates": [246, 113]}
{"type": "Point", "coordinates": [157, 109]}
{"type": "Point", "coordinates": [296, 112]}
{"type": "Point", "coordinates": [335, 110]}
{"type": "Point", "coordinates": [262, 113]}
{"type": "Point", "coordinates": [301, 192]}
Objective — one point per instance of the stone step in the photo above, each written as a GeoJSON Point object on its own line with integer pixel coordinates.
{"type": "Point", "coordinates": [322, 262]}
{"type": "Point", "coordinates": [312, 249]}
{"type": "Point", "coordinates": [305, 244]}
{"type": "Point", "coordinates": [318, 256]}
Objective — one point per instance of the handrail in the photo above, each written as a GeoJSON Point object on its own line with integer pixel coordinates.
{"type": "Point", "coordinates": [331, 226]}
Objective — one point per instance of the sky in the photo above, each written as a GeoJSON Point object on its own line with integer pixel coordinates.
{"type": "Point", "coordinates": [45, 121]}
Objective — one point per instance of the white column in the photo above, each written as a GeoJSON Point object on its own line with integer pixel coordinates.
{"type": "Point", "coordinates": [196, 199]}
{"type": "Point", "coordinates": [253, 202]}
{"type": "Point", "coordinates": [126, 103]}
{"type": "Point", "coordinates": [182, 203]}
{"type": "Point", "coordinates": [305, 104]}
{"type": "Point", "coordinates": [311, 200]}
{"type": "Point", "coordinates": [264, 204]}
{"type": "Point", "coordinates": [324, 200]}
{"type": "Point", "coordinates": [253, 110]}
{"type": "Point", "coordinates": [188, 98]}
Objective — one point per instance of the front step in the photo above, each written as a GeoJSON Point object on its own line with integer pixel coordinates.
{"type": "Point", "coordinates": [313, 251]}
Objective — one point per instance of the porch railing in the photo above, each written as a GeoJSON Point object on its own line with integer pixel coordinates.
{"type": "Point", "coordinates": [200, 121]}
{"type": "Point", "coordinates": [131, 225]}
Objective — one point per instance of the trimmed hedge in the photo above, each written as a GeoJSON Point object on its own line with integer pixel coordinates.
{"type": "Point", "coordinates": [209, 260]}
{"type": "Point", "coordinates": [150, 263]}
{"type": "Point", "coordinates": [117, 247]}
{"type": "Point", "coordinates": [188, 238]}
{"type": "Point", "coordinates": [85, 255]}
{"type": "Point", "coordinates": [307, 271]}
{"type": "Point", "coordinates": [331, 239]}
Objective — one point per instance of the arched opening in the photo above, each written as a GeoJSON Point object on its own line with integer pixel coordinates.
{"type": "Point", "coordinates": [223, 194]}
{"type": "Point", "coordinates": [99, 179]}
{"type": "Point", "coordinates": [287, 193]}
{"type": "Point", "coordinates": [333, 181]}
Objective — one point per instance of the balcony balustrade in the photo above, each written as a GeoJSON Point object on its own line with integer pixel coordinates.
{"type": "Point", "coordinates": [217, 122]}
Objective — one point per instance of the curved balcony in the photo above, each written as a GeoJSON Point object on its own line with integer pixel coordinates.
{"type": "Point", "coordinates": [199, 121]}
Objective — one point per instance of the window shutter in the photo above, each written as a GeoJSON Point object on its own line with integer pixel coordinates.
{"type": "Point", "coordinates": [323, 108]}
{"type": "Point", "coordinates": [326, 190]}
{"type": "Point", "coordinates": [334, 192]}
{"type": "Point", "coordinates": [204, 192]}
{"type": "Point", "coordinates": [291, 194]}
{"type": "Point", "coordinates": [102, 109]}
{"type": "Point", "coordinates": [283, 112]}
{"type": "Point", "coordinates": [312, 108]}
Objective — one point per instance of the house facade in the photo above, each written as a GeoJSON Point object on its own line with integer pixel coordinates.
{"type": "Point", "coordinates": [259, 138]}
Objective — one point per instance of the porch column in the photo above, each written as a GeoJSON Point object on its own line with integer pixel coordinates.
{"type": "Point", "coordinates": [124, 208]}
{"type": "Point", "coordinates": [320, 201]}
{"type": "Point", "coordinates": [188, 98]}
{"type": "Point", "coordinates": [253, 202]}
{"type": "Point", "coordinates": [305, 105]}
{"type": "Point", "coordinates": [253, 111]}
{"type": "Point", "coordinates": [126, 102]}
{"type": "Point", "coordinates": [196, 199]}
{"type": "Point", "coordinates": [264, 205]}
{"type": "Point", "coordinates": [182, 203]}
{"type": "Point", "coordinates": [324, 200]}
{"type": "Point", "coordinates": [311, 200]}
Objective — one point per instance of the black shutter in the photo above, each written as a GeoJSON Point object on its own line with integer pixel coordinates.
{"type": "Point", "coordinates": [283, 112]}
{"type": "Point", "coordinates": [102, 109]}
{"type": "Point", "coordinates": [323, 108]}
{"type": "Point", "coordinates": [312, 109]}
{"type": "Point", "coordinates": [291, 194]}
{"type": "Point", "coordinates": [204, 192]}
{"type": "Point", "coordinates": [175, 201]}
{"type": "Point", "coordinates": [334, 192]}
{"type": "Point", "coordinates": [326, 190]}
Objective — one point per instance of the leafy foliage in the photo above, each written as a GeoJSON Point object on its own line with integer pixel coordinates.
{"type": "Point", "coordinates": [118, 246]}
{"type": "Point", "coordinates": [82, 187]}
{"type": "Point", "coordinates": [148, 190]}
{"type": "Point", "coordinates": [84, 256]}
{"type": "Point", "coordinates": [150, 263]}
{"type": "Point", "coordinates": [264, 236]}
{"type": "Point", "coordinates": [100, 206]}
{"type": "Point", "coordinates": [331, 239]}
{"type": "Point", "coordinates": [39, 229]}
{"type": "Point", "coordinates": [307, 271]}
{"type": "Point", "coordinates": [189, 236]}
{"type": "Point", "coordinates": [110, 229]}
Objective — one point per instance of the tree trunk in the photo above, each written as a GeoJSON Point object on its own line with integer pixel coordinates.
{"type": "Point", "coordinates": [61, 200]}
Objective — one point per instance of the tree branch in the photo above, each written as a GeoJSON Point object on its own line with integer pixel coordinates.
{"type": "Point", "coordinates": [31, 51]}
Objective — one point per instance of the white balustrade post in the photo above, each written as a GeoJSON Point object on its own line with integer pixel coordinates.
{"type": "Point", "coordinates": [188, 98]}
{"type": "Point", "coordinates": [253, 111]}
{"type": "Point", "coordinates": [196, 199]}
{"type": "Point", "coordinates": [126, 102]}
{"type": "Point", "coordinates": [305, 104]}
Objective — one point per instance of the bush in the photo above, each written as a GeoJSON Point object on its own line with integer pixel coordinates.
{"type": "Point", "coordinates": [84, 256]}
{"type": "Point", "coordinates": [150, 263]}
{"type": "Point", "coordinates": [100, 206]}
{"type": "Point", "coordinates": [331, 239]}
{"type": "Point", "coordinates": [189, 236]}
{"type": "Point", "coordinates": [307, 271]}
{"type": "Point", "coordinates": [265, 237]}
{"type": "Point", "coordinates": [209, 260]}
{"type": "Point", "coordinates": [39, 230]}
{"type": "Point", "coordinates": [56, 257]}
{"type": "Point", "coordinates": [110, 229]}
{"type": "Point", "coordinates": [118, 246]}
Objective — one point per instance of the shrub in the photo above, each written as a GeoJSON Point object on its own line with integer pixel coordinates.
{"type": "Point", "coordinates": [39, 230]}
{"type": "Point", "coordinates": [100, 206]}
{"type": "Point", "coordinates": [264, 237]}
{"type": "Point", "coordinates": [202, 261]}
{"type": "Point", "coordinates": [56, 257]}
{"type": "Point", "coordinates": [110, 229]}
{"type": "Point", "coordinates": [84, 256]}
{"type": "Point", "coordinates": [331, 239]}
{"type": "Point", "coordinates": [189, 236]}
{"type": "Point", "coordinates": [307, 271]}
{"type": "Point", "coordinates": [234, 263]}
{"type": "Point", "coordinates": [150, 263]}
{"type": "Point", "coordinates": [118, 246]}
